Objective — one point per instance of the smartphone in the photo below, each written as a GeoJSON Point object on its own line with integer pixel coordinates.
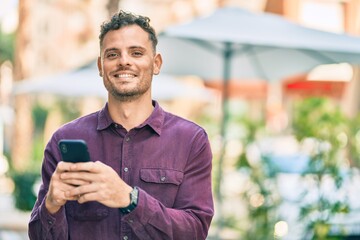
{"type": "Point", "coordinates": [74, 150]}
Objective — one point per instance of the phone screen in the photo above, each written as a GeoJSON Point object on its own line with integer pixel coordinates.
{"type": "Point", "coordinates": [74, 150]}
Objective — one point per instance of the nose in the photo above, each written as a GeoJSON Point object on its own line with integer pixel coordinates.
{"type": "Point", "coordinates": [124, 60]}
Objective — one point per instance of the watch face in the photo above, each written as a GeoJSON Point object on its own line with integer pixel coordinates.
{"type": "Point", "coordinates": [133, 201]}
{"type": "Point", "coordinates": [134, 196]}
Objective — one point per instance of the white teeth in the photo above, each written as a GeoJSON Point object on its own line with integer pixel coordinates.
{"type": "Point", "coordinates": [124, 75]}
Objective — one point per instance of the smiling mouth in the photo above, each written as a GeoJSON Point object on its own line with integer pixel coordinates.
{"type": "Point", "coordinates": [124, 75]}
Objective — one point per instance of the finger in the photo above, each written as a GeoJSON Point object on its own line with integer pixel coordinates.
{"type": "Point", "coordinates": [58, 188]}
{"type": "Point", "coordinates": [75, 182]}
{"type": "Point", "coordinates": [57, 183]}
{"type": "Point", "coordinates": [82, 190]}
{"type": "Point", "coordinates": [84, 177]}
{"type": "Point", "coordinates": [88, 197]}
{"type": "Point", "coordinates": [63, 166]}
{"type": "Point", "coordinates": [58, 197]}
{"type": "Point", "coordinates": [73, 198]}
{"type": "Point", "coordinates": [93, 167]}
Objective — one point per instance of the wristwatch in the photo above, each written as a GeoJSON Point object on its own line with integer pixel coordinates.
{"type": "Point", "coordinates": [134, 196]}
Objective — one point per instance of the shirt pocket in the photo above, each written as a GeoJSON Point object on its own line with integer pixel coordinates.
{"type": "Point", "coordinates": [163, 184]}
{"type": "Point", "coordinates": [90, 211]}
{"type": "Point", "coordinates": [161, 176]}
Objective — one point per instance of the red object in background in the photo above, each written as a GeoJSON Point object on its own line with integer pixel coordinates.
{"type": "Point", "coordinates": [300, 86]}
{"type": "Point", "coordinates": [293, 86]}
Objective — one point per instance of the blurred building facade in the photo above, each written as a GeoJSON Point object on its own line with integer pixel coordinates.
{"type": "Point", "coordinates": [51, 36]}
{"type": "Point", "coordinates": [331, 15]}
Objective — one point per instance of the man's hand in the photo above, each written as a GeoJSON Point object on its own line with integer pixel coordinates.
{"type": "Point", "coordinates": [57, 188]}
{"type": "Point", "coordinates": [96, 182]}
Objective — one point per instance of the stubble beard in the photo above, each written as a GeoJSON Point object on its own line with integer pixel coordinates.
{"type": "Point", "coordinates": [126, 95]}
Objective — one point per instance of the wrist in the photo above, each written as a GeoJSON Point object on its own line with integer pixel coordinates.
{"type": "Point", "coordinates": [50, 207]}
{"type": "Point", "coordinates": [133, 197]}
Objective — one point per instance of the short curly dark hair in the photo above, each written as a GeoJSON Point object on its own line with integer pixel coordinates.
{"type": "Point", "coordinates": [122, 19]}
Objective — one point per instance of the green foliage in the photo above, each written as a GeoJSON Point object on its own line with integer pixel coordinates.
{"type": "Point", "coordinates": [7, 46]}
{"type": "Point", "coordinates": [320, 124]}
{"type": "Point", "coordinates": [323, 122]}
{"type": "Point", "coordinates": [318, 118]}
{"type": "Point", "coordinates": [23, 193]}
{"type": "Point", "coordinates": [69, 109]}
{"type": "Point", "coordinates": [37, 154]}
{"type": "Point", "coordinates": [354, 141]}
{"type": "Point", "coordinates": [39, 114]}
{"type": "Point", "coordinates": [261, 198]}
{"type": "Point", "coordinates": [24, 181]}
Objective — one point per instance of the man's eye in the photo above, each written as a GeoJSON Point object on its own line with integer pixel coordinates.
{"type": "Point", "coordinates": [111, 55]}
{"type": "Point", "coordinates": [137, 53]}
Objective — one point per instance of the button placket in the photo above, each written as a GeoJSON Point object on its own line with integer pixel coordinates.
{"type": "Point", "coordinates": [126, 159]}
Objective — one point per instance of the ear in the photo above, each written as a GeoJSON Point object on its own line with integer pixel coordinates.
{"type": "Point", "coordinates": [157, 63]}
{"type": "Point", "coordinates": [99, 66]}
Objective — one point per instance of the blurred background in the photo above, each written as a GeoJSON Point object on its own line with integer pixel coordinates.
{"type": "Point", "coordinates": [286, 150]}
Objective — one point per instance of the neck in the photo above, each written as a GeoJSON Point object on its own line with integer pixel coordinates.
{"type": "Point", "coordinates": [130, 114]}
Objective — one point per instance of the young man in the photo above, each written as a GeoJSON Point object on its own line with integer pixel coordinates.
{"type": "Point", "coordinates": [150, 175]}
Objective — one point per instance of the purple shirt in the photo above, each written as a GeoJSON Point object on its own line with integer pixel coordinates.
{"type": "Point", "coordinates": [168, 158]}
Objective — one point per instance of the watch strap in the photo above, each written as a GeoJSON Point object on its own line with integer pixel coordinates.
{"type": "Point", "coordinates": [134, 196]}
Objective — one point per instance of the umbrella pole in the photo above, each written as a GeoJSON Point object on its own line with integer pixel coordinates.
{"type": "Point", "coordinates": [223, 127]}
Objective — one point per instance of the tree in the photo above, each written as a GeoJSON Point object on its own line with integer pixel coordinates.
{"type": "Point", "coordinates": [112, 6]}
{"type": "Point", "coordinates": [22, 133]}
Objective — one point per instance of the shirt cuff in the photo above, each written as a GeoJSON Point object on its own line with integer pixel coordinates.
{"type": "Point", "coordinates": [49, 220]}
{"type": "Point", "coordinates": [140, 215]}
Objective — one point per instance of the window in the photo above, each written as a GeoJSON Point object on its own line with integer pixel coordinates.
{"type": "Point", "coordinates": [327, 15]}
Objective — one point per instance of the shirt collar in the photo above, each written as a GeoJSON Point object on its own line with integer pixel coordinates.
{"type": "Point", "coordinates": [104, 119]}
{"type": "Point", "coordinates": [155, 120]}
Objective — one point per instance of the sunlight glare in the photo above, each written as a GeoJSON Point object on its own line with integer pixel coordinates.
{"type": "Point", "coordinates": [281, 229]}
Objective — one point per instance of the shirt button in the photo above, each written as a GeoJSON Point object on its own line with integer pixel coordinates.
{"type": "Point", "coordinates": [131, 221]}
{"type": "Point", "coordinates": [115, 125]}
{"type": "Point", "coordinates": [50, 222]}
{"type": "Point", "coordinates": [125, 237]}
{"type": "Point", "coordinates": [126, 169]}
{"type": "Point", "coordinates": [127, 139]}
{"type": "Point", "coordinates": [162, 179]}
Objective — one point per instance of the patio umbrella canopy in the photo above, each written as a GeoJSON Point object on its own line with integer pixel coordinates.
{"type": "Point", "coordinates": [233, 43]}
{"type": "Point", "coordinates": [85, 81]}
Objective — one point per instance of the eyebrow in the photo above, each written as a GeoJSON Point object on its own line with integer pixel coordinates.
{"type": "Point", "coordinates": [137, 47]}
{"type": "Point", "coordinates": [132, 47]}
{"type": "Point", "coordinates": [110, 49]}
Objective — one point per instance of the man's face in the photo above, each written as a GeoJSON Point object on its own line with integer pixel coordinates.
{"type": "Point", "coordinates": [128, 62]}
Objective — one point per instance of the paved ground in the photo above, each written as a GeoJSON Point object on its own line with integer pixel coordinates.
{"type": "Point", "coordinates": [13, 223]}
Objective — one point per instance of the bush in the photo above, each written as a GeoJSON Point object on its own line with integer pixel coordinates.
{"type": "Point", "coordinates": [23, 193]}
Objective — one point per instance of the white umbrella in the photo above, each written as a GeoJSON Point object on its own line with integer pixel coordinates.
{"type": "Point", "coordinates": [233, 43]}
{"type": "Point", "coordinates": [85, 81]}
{"type": "Point", "coordinates": [80, 82]}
